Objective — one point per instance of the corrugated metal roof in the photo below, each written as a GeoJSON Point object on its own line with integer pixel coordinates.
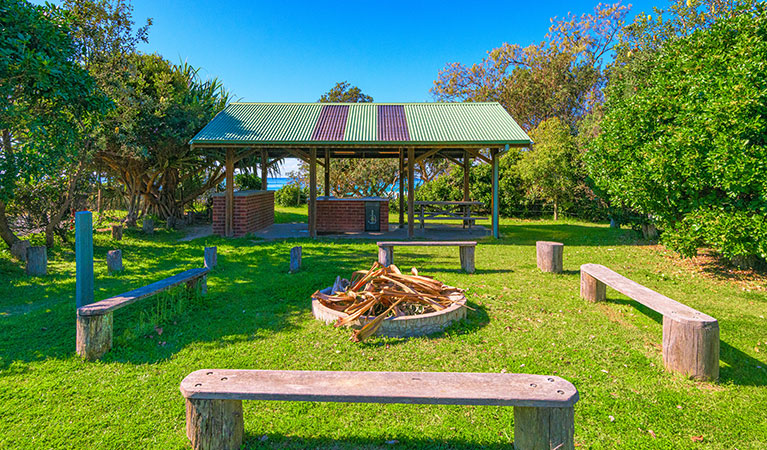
{"type": "Point", "coordinates": [362, 123]}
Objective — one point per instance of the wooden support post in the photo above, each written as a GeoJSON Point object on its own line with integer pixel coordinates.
{"type": "Point", "coordinates": [148, 225]}
{"type": "Point", "coordinates": [210, 257]}
{"type": "Point", "coordinates": [326, 190]}
{"type": "Point", "coordinates": [37, 261]}
{"type": "Point", "coordinates": [114, 261]}
{"type": "Point", "coordinates": [94, 336]}
{"type": "Point", "coordinates": [544, 428]}
{"type": "Point", "coordinates": [401, 188]}
{"type": "Point", "coordinates": [295, 259]}
{"type": "Point", "coordinates": [385, 255]}
{"type": "Point", "coordinates": [466, 167]}
{"type": "Point", "coordinates": [229, 223]}
{"type": "Point", "coordinates": [549, 256]}
{"type": "Point", "coordinates": [496, 228]}
{"type": "Point", "coordinates": [410, 191]}
{"type": "Point", "coordinates": [264, 169]}
{"type": "Point", "coordinates": [83, 258]}
{"type": "Point", "coordinates": [466, 254]}
{"type": "Point", "coordinates": [117, 232]}
{"type": "Point", "coordinates": [691, 348]}
{"type": "Point", "coordinates": [313, 193]}
{"type": "Point", "coordinates": [214, 424]}
{"type": "Point", "coordinates": [592, 289]}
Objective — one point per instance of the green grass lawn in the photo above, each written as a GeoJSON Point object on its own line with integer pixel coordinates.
{"type": "Point", "coordinates": [257, 316]}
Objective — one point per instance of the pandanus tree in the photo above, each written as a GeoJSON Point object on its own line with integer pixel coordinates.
{"type": "Point", "coordinates": [145, 146]}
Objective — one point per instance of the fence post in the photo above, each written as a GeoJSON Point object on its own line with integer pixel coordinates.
{"type": "Point", "coordinates": [84, 258]}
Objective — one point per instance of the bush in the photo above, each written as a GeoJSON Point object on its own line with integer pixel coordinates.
{"type": "Point", "coordinates": [248, 181]}
{"type": "Point", "coordinates": [291, 195]}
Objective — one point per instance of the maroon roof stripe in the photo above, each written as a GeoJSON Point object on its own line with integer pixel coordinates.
{"type": "Point", "coordinates": [392, 125]}
{"type": "Point", "coordinates": [331, 124]}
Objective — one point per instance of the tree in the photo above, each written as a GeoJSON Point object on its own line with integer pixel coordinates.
{"type": "Point", "coordinates": [562, 76]}
{"type": "Point", "coordinates": [684, 137]}
{"type": "Point", "coordinates": [48, 104]}
{"type": "Point", "coordinates": [551, 170]}
{"type": "Point", "coordinates": [343, 92]}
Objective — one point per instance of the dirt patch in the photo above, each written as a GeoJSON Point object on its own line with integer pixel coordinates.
{"type": "Point", "coordinates": [714, 267]}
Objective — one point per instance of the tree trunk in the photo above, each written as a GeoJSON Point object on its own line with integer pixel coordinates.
{"type": "Point", "coordinates": [58, 214]}
{"type": "Point", "coordinates": [556, 212]}
{"type": "Point", "coordinates": [5, 231]}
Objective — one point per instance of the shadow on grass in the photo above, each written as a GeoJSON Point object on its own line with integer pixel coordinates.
{"type": "Point", "coordinates": [374, 443]}
{"type": "Point", "coordinates": [570, 234]}
{"type": "Point", "coordinates": [741, 369]}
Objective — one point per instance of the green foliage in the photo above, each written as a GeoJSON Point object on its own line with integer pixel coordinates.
{"type": "Point", "coordinates": [291, 194]}
{"type": "Point", "coordinates": [551, 170]}
{"type": "Point", "coordinates": [684, 137]}
{"type": "Point", "coordinates": [343, 92]}
{"type": "Point", "coordinates": [247, 181]}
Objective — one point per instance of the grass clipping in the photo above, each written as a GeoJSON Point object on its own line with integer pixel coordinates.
{"type": "Point", "coordinates": [385, 292]}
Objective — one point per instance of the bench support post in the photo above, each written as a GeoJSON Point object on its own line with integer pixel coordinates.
{"type": "Point", "coordinates": [214, 424]}
{"type": "Point", "coordinates": [691, 348]}
{"type": "Point", "coordinates": [592, 289]}
{"type": "Point", "coordinates": [543, 428]}
{"type": "Point", "coordinates": [385, 255]}
{"type": "Point", "coordinates": [94, 336]}
{"type": "Point", "coordinates": [467, 258]}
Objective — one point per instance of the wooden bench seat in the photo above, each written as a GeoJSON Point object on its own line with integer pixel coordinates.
{"type": "Point", "coordinates": [690, 337]}
{"type": "Point", "coordinates": [465, 251]}
{"type": "Point", "coordinates": [543, 405]}
{"type": "Point", "coordinates": [94, 321]}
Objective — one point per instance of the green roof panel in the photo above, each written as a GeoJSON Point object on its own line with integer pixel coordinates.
{"type": "Point", "coordinates": [362, 122]}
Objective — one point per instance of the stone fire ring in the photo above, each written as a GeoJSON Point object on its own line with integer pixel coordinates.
{"type": "Point", "coordinates": [404, 326]}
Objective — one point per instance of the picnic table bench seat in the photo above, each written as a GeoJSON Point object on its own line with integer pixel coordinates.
{"type": "Point", "coordinates": [690, 337]}
{"type": "Point", "coordinates": [94, 321]}
{"type": "Point", "coordinates": [465, 251]}
{"type": "Point", "coordinates": [543, 405]}
{"type": "Point", "coordinates": [447, 210]}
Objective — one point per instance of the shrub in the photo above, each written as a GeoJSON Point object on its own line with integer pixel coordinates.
{"type": "Point", "coordinates": [248, 181]}
{"type": "Point", "coordinates": [291, 195]}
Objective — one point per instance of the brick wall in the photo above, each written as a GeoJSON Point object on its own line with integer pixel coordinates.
{"type": "Point", "coordinates": [253, 211]}
{"type": "Point", "coordinates": [342, 216]}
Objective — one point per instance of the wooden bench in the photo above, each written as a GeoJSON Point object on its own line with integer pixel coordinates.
{"type": "Point", "coordinates": [690, 337]}
{"type": "Point", "coordinates": [543, 405]}
{"type": "Point", "coordinates": [447, 210]}
{"type": "Point", "coordinates": [94, 321]}
{"type": "Point", "coordinates": [465, 251]}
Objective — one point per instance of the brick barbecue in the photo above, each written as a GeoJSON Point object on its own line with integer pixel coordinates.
{"type": "Point", "coordinates": [345, 215]}
{"type": "Point", "coordinates": [253, 211]}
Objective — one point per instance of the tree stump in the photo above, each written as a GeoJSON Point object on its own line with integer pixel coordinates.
{"type": "Point", "coordinates": [19, 250]}
{"type": "Point", "coordinates": [544, 428]}
{"type": "Point", "coordinates": [295, 259]}
{"type": "Point", "coordinates": [114, 261]}
{"type": "Point", "coordinates": [214, 424]}
{"type": "Point", "coordinates": [94, 336]}
{"type": "Point", "coordinates": [210, 258]}
{"type": "Point", "coordinates": [592, 289]}
{"type": "Point", "coordinates": [148, 226]}
{"type": "Point", "coordinates": [549, 256]}
{"type": "Point", "coordinates": [37, 261]}
{"type": "Point", "coordinates": [117, 232]}
{"type": "Point", "coordinates": [691, 347]}
{"type": "Point", "coordinates": [386, 255]}
{"type": "Point", "coordinates": [467, 258]}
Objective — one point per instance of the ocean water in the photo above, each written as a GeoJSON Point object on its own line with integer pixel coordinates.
{"type": "Point", "coordinates": [275, 183]}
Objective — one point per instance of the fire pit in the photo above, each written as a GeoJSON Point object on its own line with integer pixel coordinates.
{"type": "Point", "coordinates": [385, 302]}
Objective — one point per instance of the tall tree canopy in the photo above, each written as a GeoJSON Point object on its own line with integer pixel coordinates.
{"type": "Point", "coordinates": [48, 101]}
{"type": "Point", "coordinates": [684, 137]}
{"type": "Point", "coordinates": [343, 92]}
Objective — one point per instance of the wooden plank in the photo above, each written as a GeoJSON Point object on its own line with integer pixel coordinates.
{"type": "Point", "coordinates": [112, 303]}
{"type": "Point", "coordinates": [264, 169]}
{"type": "Point", "coordinates": [410, 191]}
{"type": "Point", "coordinates": [427, 243]}
{"type": "Point", "coordinates": [646, 296]}
{"type": "Point", "coordinates": [442, 388]}
{"type": "Point", "coordinates": [229, 219]}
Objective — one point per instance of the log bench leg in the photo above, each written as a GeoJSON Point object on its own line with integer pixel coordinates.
{"type": "Point", "coordinates": [592, 289]}
{"type": "Point", "coordinates": [543, 428]}
{"type": "Point", "coordinates": [214, 424]}
{"type": "Point", "coordinates": [94, 336]}
{"type": "Point", "coordinates": [467, 258]}
{"type": "Point", "coordinates": [691, 348]}
{"type": "Point", "coordinates": [385, 255]}
{"type": "Point", "coordinates": [549, 256]}
{"type": "Point", "coordinates": [191, 286]}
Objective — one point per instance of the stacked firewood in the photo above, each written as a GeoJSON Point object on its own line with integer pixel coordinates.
{"type": "Point", "coordinates": [383, 292]}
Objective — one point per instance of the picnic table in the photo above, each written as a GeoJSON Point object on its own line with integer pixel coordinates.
{"type": "Point", "coordinates": [448, 210]}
